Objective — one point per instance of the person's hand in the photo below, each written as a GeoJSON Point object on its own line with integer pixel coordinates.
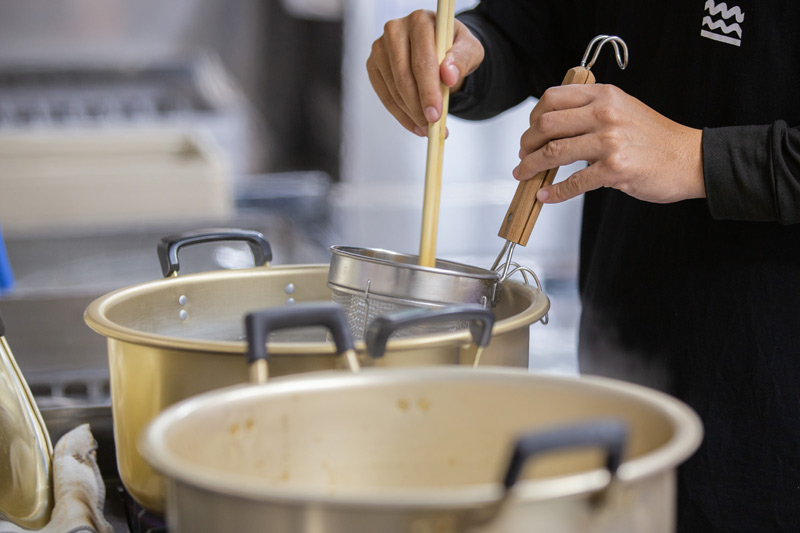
{"type": "Point", "coordinates": [405, 72]}
{"type": "Point", "coordinates": [628, 145]}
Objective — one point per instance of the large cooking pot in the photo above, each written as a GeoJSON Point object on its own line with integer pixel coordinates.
{"type": "Point", "coordinates": [173, 338]}
{"type": "Point", "coordinates": [436, 449]}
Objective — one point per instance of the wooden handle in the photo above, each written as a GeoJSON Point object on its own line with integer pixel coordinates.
{"type": "Point", "coordinates": [437, 131]}
{"type": "Point", "coordinates": [524, 209]}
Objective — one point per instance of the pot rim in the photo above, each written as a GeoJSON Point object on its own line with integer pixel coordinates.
{"type": "Point", "coordinates": [685, 440]}
{"type": "Point", "coordinates": [388, 258]}
{"type": "Point", "coordinates": [96, 317]}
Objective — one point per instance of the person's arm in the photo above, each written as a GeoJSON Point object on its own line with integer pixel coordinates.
{"type": "Point", "coordinates": [629, 146]}
{"type": "Point", "coordinates": [753, 172]}
{"type": "Point", "coordinates": [497, 84]}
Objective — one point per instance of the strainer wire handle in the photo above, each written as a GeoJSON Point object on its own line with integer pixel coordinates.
{"type": "Point", "coordinates": [378, 333]}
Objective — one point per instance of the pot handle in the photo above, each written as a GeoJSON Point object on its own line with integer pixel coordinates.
{"type": "Point", "coordinates": [610, 434]}
{"type": "Point", "coordinates": [168, 246]}
{"type": "Point", "coordinates": [259, 324]}
{"type": "Point", "coordinates": [480, 326]}
{"type": "Point", "coordinates": [2, 326]}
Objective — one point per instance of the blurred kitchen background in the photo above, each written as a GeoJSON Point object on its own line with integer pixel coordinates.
{"type": "Point", "coordinates": [122, 121]}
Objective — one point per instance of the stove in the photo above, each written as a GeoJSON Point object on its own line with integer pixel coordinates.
{"type": "Point", "coordinates": [138, 520]}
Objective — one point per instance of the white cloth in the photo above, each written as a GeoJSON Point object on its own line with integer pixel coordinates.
{"type": "Point", "coordinates": [78, 488]}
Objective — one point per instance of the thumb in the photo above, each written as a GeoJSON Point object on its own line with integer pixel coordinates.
{"type": "Point", "coordinates": [463, 57]}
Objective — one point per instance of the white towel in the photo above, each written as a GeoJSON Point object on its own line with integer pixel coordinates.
{"type": "Point", "coordinates": [78, 488]}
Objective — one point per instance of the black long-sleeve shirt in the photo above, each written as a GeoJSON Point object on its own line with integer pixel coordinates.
{"type": "Point", "coordinates": [734, 151]}
{"type": "Point", "coordinates": [702, 297]}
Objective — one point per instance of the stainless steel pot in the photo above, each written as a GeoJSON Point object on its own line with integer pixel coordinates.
{"type": "Point", "coordinates": [174, 338]}
{"type": "Point", "coordinates": [438, 449]}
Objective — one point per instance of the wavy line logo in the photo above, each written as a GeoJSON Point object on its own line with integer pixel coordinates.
{"type": "Point", "coordinates": [722, 29]}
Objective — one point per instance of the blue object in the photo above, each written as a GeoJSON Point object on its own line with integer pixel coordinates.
{"type": "Point", "coordinates": [6, 274]}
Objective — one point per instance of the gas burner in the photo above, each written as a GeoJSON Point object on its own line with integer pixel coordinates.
{"type": "Point", "coordinates": [139, 519]}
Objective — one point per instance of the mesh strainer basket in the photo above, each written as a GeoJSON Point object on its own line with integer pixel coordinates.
{"type": "Point", "coordinates": [370, 282]}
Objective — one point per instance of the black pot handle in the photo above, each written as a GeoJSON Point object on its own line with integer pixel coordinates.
{"type": "Point", "coordinates": [168, 246]}
{"type": "Point", "coordinates": [610, 434]}
{"type": "Point", "coordinates": [259, 324]}
{"type": "Point", "coordinates": [378, 333]}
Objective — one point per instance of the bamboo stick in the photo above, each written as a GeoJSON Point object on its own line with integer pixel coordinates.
{"type": "Point", "coordinates": [445, 14]}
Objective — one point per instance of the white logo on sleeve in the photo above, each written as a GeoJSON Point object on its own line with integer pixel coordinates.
{"type": "Point", "coordinates": [722, 24]}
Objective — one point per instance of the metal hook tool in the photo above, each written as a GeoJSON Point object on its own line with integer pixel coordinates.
{"type": "Point", "coordinates": [616, 42]}
{"type": "Point", "coordinates": [524, 209]}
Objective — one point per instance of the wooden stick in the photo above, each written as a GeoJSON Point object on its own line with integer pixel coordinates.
{"type": "Point", "coordinates": [445, 14]}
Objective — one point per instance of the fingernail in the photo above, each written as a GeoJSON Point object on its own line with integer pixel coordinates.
{"type": "Point", "coordinates": [431, 114]}
{"type": "Point", "coordinates": [515, 172]}
{"type": "Point", "coordinates": [542, 195]}
{"type": "Point", "coordinates": [521, 153]}
{"type": "Point", "coordinates": [419, 131]}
